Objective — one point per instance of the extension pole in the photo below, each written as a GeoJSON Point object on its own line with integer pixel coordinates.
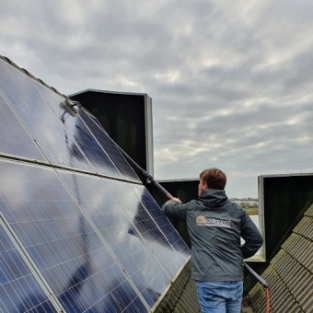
{"type": "Point", "coordinates": [143, 172]}
{"type": "Point", "coordinates": [260, 279]}
{"type": "Point", "coordinates": [263, 283]}
{"type": "Point", "coordinates": [147, 175]}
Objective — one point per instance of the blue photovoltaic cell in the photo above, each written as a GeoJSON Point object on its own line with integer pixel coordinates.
{"type": "Point", "coordinates": [19, 290]}
{"type": "Point", "coordinates": [14, 139]}
{"type": "Point", "coordinates": [109, 147]}
{"type": "Point", "coordinates": [61, 242]}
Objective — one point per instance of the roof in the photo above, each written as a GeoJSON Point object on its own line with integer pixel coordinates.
{"type": "Point", "coordinates": [290, 273]}
{"type": "Point", "coordinates": [182, 296]}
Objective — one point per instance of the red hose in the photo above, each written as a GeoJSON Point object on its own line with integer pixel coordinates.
{"type": "Point", "coordinates": [267, 295]}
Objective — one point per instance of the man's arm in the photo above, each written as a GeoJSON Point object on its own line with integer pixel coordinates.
{"type": "Point", "coordinates": [174, 209]}
{"type": "Point", "coordinates": [252, 237]}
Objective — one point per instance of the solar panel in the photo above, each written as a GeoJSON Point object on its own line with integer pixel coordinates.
{"type": "Point", "coordinates": [79, 232]}
{"type": "Point", "coordinates": [109, 146]}
{"type": "Point", "coordinates": [60, 241]}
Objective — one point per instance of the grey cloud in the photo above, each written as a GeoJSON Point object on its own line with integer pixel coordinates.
{"type": "Point", "coordinates": [231, 85]}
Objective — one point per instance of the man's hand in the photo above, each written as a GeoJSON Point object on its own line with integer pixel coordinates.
{"type": "Point", "coordinates": [177, 200]}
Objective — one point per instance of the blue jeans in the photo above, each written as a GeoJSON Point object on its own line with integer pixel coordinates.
{"type": "Point", "coordinates": [220, 296]}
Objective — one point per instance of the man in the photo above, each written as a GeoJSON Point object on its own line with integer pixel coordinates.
{"type": "Point", "coordinates": [215, 226]}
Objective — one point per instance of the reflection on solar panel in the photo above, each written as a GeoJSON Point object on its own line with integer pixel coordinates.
{"type": "Point", "coordinates": [159, 218]}
{"type": "Point", "coordinates": [14, 139]}
{"type": "Point", "coordinates": [19, 289]}
{"type": "Point", "coordinates": [106, 143]}
{"type": "Point", "coordinates": [79, 232]}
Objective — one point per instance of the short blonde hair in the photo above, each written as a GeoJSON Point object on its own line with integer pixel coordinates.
{"type": "Point", "coordinates": [214, 178]}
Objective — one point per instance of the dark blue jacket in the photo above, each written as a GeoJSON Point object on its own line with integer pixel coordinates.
{"type": "Point", "coordinates": [215, 226]}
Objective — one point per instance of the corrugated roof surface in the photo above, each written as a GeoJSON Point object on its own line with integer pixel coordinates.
{"type": "Point", "coordinates": [290, 273]}
{"type": "Point", "coordinates": [182, 296]}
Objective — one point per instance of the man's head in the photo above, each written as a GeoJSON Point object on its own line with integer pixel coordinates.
{"type": "Point", "coordinates": [212, 178]}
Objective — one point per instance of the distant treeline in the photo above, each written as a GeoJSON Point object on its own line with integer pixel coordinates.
{"type": "Point", "coordinates": [251, 206]}
{"type": "Point", "coordinates": [252, 211]}
{"type": "Point", "coordinates": [244, 199]}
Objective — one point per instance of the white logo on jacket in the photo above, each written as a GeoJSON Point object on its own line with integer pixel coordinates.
{"type": "Point", "coordinates": [211, 222]}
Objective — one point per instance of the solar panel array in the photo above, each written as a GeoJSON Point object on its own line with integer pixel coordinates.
{"type": "Point", "coordinates": [79, 232]}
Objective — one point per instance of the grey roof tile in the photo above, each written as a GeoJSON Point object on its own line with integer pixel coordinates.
{"type": "Point", "coordinates": [290, 273]}
{"type": "Point", "coordinates": [182, 296]}
{"type": "Point", "coordinates": [300, 249]}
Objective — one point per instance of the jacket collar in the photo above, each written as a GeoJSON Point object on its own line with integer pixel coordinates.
{"type": "Point", "coordinates": [213, 197]}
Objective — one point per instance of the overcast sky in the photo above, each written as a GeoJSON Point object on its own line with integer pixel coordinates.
{"type": "Point", "coordinates": [231, 81]}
